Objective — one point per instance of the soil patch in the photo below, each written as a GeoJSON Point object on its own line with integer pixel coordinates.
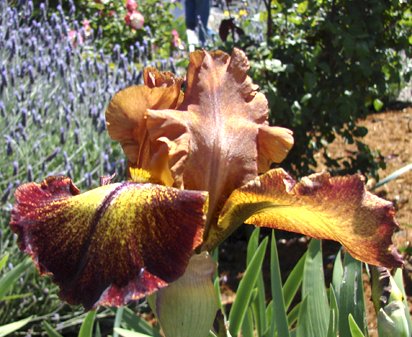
{"type": "Point", "coordinates": [388, 132]}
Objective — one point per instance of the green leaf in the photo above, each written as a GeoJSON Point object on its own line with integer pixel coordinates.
{"type": "Point", "coordinates": [351, 299]}
{"type": "Point", "coordinates": [259, 302]}
{"type": "Point", "coordinates": [259, 305]}
{"type": "Point", "coordinates": [302, 7]}
{"type": "Point", "coordinates": [398, 278]}
{"type": "Point", "coordinates": [354, 328]}
{"type": "Point", "coordinates": [293, 282]}
{"type": "Point", "coordinates": [4, 260]}
{"type": "Point", "coordinates": [252, 245]}
{"type": "Point", "coordinates": [337, 275]}
{"type": "Point", "coordinates": [377, 104]}
{"type": "Point", "coordinates": [10, 278]}
{"type": "Point", "coordinates": [360, 131]}
{"type": "Point", "coordinates": [247, 325]}
{"type": "Point", "coordinates": [314, 321]}
{"type": "Point", "coordinates": [51, 332]}
{"type": "Point", "coordinates": [244, 292]}
{"type": "Point", "coordinates": [279, 319]}
{"type": "Point", "coordinates": [293, 314]}
{"type": "Point", "coordinates": [138, 324]}
{"type": "Point", "coordinates": [97, 332]}
{"type": "Point", "coordinates": [86, 329]}
{"type": "Point", "coordinates": [12, 327]}
{"type": "Point", "coordinates": [118, 320]}
{"type": "Point", "coordinates": [129, 333]}
{"type": "Point", "coordinates": [333, 314]}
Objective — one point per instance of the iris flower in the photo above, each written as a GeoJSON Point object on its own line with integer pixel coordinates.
{"type": "Point", "coordinates": [198, 167]}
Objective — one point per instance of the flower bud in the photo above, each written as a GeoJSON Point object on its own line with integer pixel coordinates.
{"type": "Point", "coordinates": [392, 320]}
{"type": "Point", "coordinates": [187, 307]}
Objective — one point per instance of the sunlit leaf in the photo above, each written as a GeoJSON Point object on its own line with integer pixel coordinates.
{"type": "Point", "coordinates": [279, 319]}
{"type": "Point", "coordinates": [12, 327]}
{"type": "Point", "coordinates": [129, 333]}
{"type": "Point", "coordinates": [313, 322]}
{"type": "Point", "coordinates": [244, 291]}
{"type": "Point", "coordinates": [8, 279]}
{"type": "Point", "coordinates": [354, 328]}
{"type": "Point", "coordinates": [86, 329]}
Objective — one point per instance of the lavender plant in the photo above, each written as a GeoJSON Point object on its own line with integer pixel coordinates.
{"type": "Point", "coordinates": [54, 87]}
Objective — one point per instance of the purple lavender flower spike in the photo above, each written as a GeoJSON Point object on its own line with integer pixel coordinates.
{"type": "Point", "coordinates": [15, 168]}
{"type": "Point", "coordinates": [29, 173]}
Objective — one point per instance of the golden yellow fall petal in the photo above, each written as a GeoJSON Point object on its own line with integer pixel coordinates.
{"type": "Point", "coordinates": [110, 245]}
{"type": "Point", "coordinates": [323, 207]}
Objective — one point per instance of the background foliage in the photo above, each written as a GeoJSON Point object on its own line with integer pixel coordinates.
{"type": "Point", "coordinates": [325, 64]}
{"type": "Point", "coordinates": [322, 64]}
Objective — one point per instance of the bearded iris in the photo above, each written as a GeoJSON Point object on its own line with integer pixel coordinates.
{"type": "Point", "coordinates": [198, 167]}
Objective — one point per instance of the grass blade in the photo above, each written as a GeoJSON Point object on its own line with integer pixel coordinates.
{"type": "Point", "coordinates": [259, 306]}
{"type": "Point", "coordinates": [351, 300]}
{"type": "Point", "coordinates": [279, 319]}
{"type": "Point", "coordinates": [51, 332]}
{"type": "Point", "coordinates": [247, 326]}
{"type": "Point", "coordinates": [12, 327]}
{"type": "Point", "coordinates": [294, 314]}
{"type": "Point", "coordinates": [138, 324]}
{"type": "Point", "coordinates": [9, 278]}
{"type": "Point", "coordinates": [293, 282]}
{"type": "Point", "coordinates": [314, 321]}
{"type": "Point", "coordinates": [252, 245]}
{"type": "Point", "coordinates": [337, 275]}
{"type": "Point", "coordinates": [354, 328]}
{"type": "Point", "coordinates": [118, 320]}
{"type": "Point", "coordinates": [4, 260]}
{"type": "Point", "coordinates": [86, 329]}
{"type": "Point", "coordinates": [259, 302]}
{"type": "Point", "coordinates": [333, 314]}
{"type": "Point", "coordinates": [245, 289]}
{"type": "Point", "coordinates": [129, 333]}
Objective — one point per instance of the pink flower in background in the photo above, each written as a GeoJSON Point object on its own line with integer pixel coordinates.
{"type": "Point", "coordinates": [131, 5]}
{"type": "Point", "coordinates": [134, 19]}
{"type": "Point", "coordinates": [87, 28]}
{"type": "Point", "coordinates": [176, 40]}
{"type": "Point", "coordinates": [75, 38]}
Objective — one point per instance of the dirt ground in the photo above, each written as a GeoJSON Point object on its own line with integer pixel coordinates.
{"type": "Point", "coordinates": [389, 132]}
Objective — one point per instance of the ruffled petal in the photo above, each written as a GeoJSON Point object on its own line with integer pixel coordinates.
{"type": "Point", "coordinates": [154, 78]}
{"type": "Point", "coordinates": [337, 208]}
{"type": "Point", "coordinates": [222, 114]}
{"type": "Point", "coordinates": [126, 121]}
{"type": "Point", "coordinates": [112, 244]}
{"type": "Point", "coordinates": [274, 144]}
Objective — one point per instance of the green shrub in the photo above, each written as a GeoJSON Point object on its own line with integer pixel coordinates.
{"type": "Point", "coordinates": [325, 64]}
{"type": "Point", "coordinates": [109, 20]}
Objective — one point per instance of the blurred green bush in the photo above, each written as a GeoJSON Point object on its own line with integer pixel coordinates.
{"type": "Point", "coordinates": [147, 25]}
{"type": "Point", "coordinates": [325, 64]}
